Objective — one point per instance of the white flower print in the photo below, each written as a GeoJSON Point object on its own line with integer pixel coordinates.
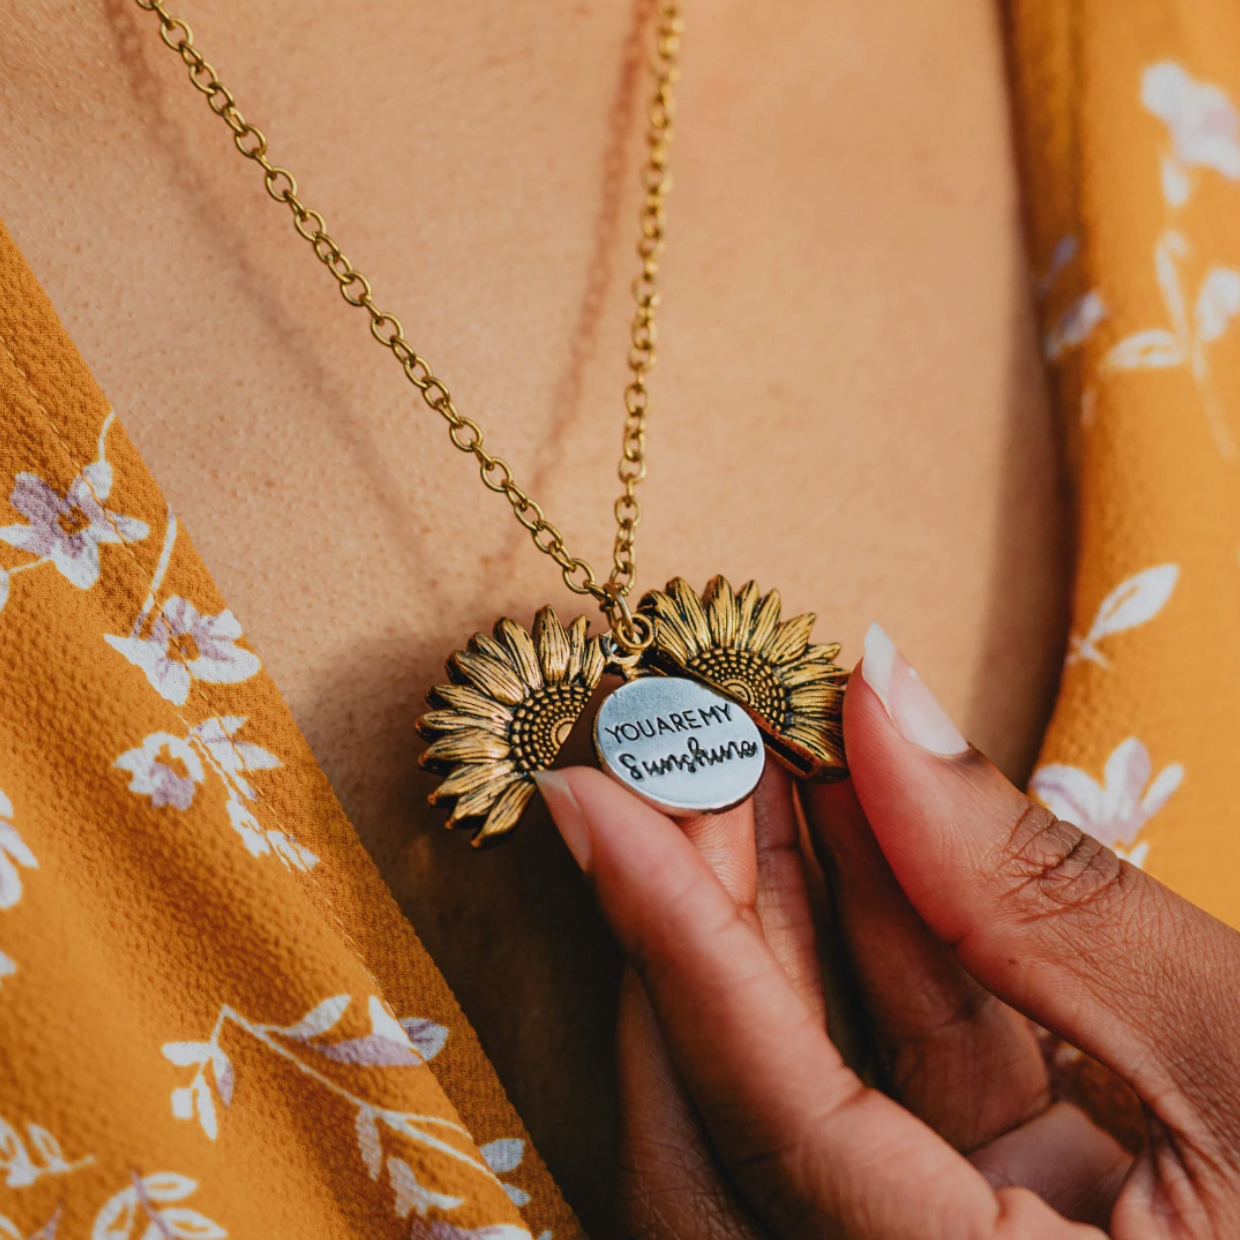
{"type": "Point", "coordinates": [1133, 602]}
{"type": "Point", "coordinates": [304, 1043]}
{"type": "Point", "coordinates": [1114, 811]}
{"type": "Point", "coordinates": [1184, 343]}
{"type": "Point", "coordinates": [184, 646]}
{"type": "Point", "coordinates": [143, 1211]}
{"type": "Point", "coordinates": [165, 768]}
{"type": "Point", "coordinates": [67, 530]}
{"type": "Point", "coordinates": [169, 769]}
{"type": "Point", "coordinates": [1201, 121]}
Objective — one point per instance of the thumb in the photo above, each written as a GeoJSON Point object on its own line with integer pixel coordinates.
{"type": "Point", "coordinates": [1041, 914]}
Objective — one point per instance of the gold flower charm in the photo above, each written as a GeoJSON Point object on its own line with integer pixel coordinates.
{"type": "Point", "coordinates": [736, 645]}
{"type": "Point", "coordinates": [513, 701]}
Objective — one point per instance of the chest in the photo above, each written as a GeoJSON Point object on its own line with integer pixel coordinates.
{"type": "Point", "coordinates": [847, 403]}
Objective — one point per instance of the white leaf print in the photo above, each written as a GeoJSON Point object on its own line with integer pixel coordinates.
{"type": "Point", "coordinates": [8, 1229]}
{"type": "Point", "coordinates": [1136, 856]}
{"type": "Point", "coordinates": [503, 1155]}
{"type": "Point", "coordinates": [1176, 186]}
{"type": "Point", "coordinates": [427, 1037]}
{"type": "Point", "coordinates": [115, 1221]}
{"type": "Point", "coordinates": [443, 1230]}
{"type": "Point", "coordinates": [205, 1105]}
{"type": "Point", "coordinates": [221, 1065]}
{"type": "Point", "coordinates": [183, 1103]}
{"type": "Point", "coordinates": [13, 853]}
{"type": "Point", "coordinates": [1133, 602]}
{"type": "Point", "coordinates": [291, 852]}
{"type": "Point", "coordinates": [187, 1054]}
{"type": "Point", "coordinates": [1218, 302]}
{"type": "Point", "coordinates": [48, 1147]}
{"type": "Point", "coordinates": [7, 966]}
{"type": "Point", "coordinates": [413, 1196]}
{"type": "Point", "coordinates": [185, 1224]}
{"type": "Point", "coordinates": [1154, 348]}
{"type": "Point", "coordinates": [247, 826]}
{"type": "Point", "coordinates": [4, 588]}
{"type": "Point", "coordinates": [368, 1143]}
{"type": "Point", "coordinates": [319, 1020]}
{"type": "Point", "coordinates": [1113, 811]}
{"type": "Point", "coordinates": [518, 1196]}
{"type": "Point", "coordinates": [1074, 325]}
{"type": "Point", "coordinates": [168, 1186]}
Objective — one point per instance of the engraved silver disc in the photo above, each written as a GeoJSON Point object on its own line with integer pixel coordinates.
{"type": "Point", "coordinates": [682, 747]}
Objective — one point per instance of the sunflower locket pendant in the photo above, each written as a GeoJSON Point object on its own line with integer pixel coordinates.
{"type": "Point", "coordinates": [679, 745]}
{"type": "Point", "coordinates": [715, 681]}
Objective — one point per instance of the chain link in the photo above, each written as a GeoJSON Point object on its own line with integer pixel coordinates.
{"type": "Point", "coordinates": [466, 435]}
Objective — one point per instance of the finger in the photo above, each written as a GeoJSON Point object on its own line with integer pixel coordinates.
{"type": "Point", "coordinates": [670, 1184]}
{"type": "Point", "coordinates": [956, 1056]}
{"type": "Point", "coordinates": [1042, 915]}
{"type": "Point", "coordinates": [811, 1149]}
{"type": "Point", "coordinates": [1063, 1157]}
{"type": "Point", "coordinates": [782, 898]}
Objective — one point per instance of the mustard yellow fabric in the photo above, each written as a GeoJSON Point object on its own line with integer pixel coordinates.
{"type": "Point", "coordinates": [213, 1018]}
{"type": "Point", "coordinates": [1129, 133]}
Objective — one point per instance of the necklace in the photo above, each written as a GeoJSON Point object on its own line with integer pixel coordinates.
{"type": "Point", "coordinates": [711, 681]}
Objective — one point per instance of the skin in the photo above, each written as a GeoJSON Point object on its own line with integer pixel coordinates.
{"type": "Point", "coordinates": [967, 909]}
{"type": "Point", "coordinates": [848, 402]}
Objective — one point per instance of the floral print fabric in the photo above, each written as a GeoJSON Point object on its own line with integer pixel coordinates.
{"type": "Point", "coordinates": [1128, 124]}
{"type": "Point", "coordinates": [214, 1020]}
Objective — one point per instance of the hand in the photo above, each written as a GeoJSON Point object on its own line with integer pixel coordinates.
{"type": "Point", "coordinates": [962, 905]}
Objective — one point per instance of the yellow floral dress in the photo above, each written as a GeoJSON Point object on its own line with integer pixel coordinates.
{"type": "Point", "coordinates": [215, 1021]}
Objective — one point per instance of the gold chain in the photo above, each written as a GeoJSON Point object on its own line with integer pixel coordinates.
{"type": "Point", "coordinates": [386, 328]}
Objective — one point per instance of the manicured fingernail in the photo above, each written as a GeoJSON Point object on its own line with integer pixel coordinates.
{"type": "Point", "coordinates": [566, 814]}
{"type": "Point", "coordinates": [909, 704]}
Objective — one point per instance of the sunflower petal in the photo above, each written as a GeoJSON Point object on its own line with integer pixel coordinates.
{"type": "Point", "coordinates": [824, 743]}
{"type": "Point", "coordinates": [469, 701]}
{"type": "Point", "coordinates": [721, 612]}
{"type": "Point", "coordinates": [805, 671]}
{"type": "Point", "coordinates": [436, 721]}
{"type": "Point", "coordinates": [813, 699]}
{"type": "Point", "coordinates": [691, 608]}
{"type": "Point", "coordinates": [520, 648]}
{"type": "Point", "coordinates": [491, 676]}
{"type": "Point", "coordinates": [669, 642]}
{"type": "Point", "coordinates": [592, 663]}
{"type": "Point", "coordinates": [475, 804]}
{"type": "Point", "coordinates": [576, 647]}
{"type": "Point", "coordinates": [504, 813]}
{"type": "Point", "coordinates": [746, 605]}
{"type": "Point", "coordinates": [471, 745]}
{"type": "Point", "coordinates": [790, 639]}
{"type": "Point", "coordinates": [765, 623]}
{"type": "Point", "coordinates": [480, 643]}
{"type": "Point", "coordinates": [668, 619]}
{"type": "Point", "coordinates": [552, 643]}
{"type": "Point", "coordinates": [469, 777]}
